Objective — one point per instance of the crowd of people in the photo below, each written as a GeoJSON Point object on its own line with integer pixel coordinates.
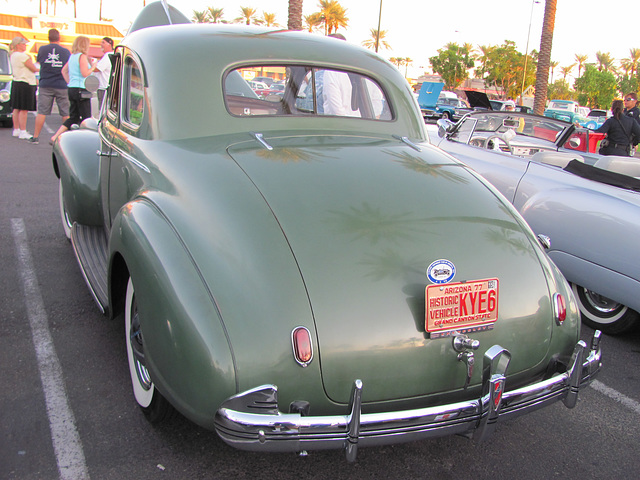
{"type": "Point", "coordinates": [62, 79]}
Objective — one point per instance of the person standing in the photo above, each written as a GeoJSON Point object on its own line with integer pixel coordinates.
{"type": "Point", "coordinates": [619, 129]}
{"type": "Point", "coordinates": [103, 68]}
{"type": "Point", "coordinates": [52, 86]}
{"type": "Point", "coordinates": [23, 87]}
{"type": "Point", "coordinates": [75, 71]}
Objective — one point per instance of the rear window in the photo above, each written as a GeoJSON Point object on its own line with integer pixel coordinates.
{"type": "Point", "coordinates": [560, 106]}
{"type": "Point", "coordinates": [305, 91]}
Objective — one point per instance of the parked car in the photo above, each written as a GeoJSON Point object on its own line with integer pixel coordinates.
{"type": "Point", "coordinates": [588, 205]}
{"type": "Point", "coordinates": [566, 110]}
{"type": "Point", "coordinates": [299, 280]}
{"type": "Point", "coordinates": [436, 103]}
{"type": "Point", "coordinates": [5, 87]}
{"type": "Point", "coordinates": [258, 85]}
{"type": "Point", "coordinates": [596, 118]}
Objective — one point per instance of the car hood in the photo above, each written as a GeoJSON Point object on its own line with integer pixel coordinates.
{"type": "Point", "coordinates": [364, 218]}
{"type": "Point", "coordinates": [429, 93]}
{"type": "Point", "coordinates": [478, 99]}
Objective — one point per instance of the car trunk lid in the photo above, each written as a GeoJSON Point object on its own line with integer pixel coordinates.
{"type": "Point", "coordinates": [364, 218]}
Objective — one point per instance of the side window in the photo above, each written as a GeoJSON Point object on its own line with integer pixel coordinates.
{"type": "Point", "coordinates": [133, 108]}
{"type": "Point", "coordinates": [114, 86]}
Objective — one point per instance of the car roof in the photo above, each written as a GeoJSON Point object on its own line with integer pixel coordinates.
{"type": "Point", "coordinates": [209, 51]}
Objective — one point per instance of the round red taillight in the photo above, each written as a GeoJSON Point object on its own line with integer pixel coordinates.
{"type": "Point", "coordinates": [560, 308]}
{"type": "Point", "coordinates": [302, 347]}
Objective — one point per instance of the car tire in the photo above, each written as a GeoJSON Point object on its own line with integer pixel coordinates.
{"type": "Point", "coordinates": [64, 216]}
{"type": "Point", "coordinates": [154, 406]}
{"type": "Point", "coordinates": [446, 115]}
{"type": "Point", "coordinates": [602, 313]}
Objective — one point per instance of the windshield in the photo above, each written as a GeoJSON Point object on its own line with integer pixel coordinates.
{"type": "Point", "coordinates": [5, 66]}
{"type": "Point", "coordinates": [305, 91]}
{"type": "Point", "coordinates": [479, 126]}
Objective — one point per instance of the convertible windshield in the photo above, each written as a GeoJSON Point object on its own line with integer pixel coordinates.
{"type": "Point", "coordinates": [491, 123]}
{"type": "Point", "coordinates": [304, 91]}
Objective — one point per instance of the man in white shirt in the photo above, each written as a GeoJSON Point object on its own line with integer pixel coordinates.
{"type": "Point", "coordinates": [103, 67]}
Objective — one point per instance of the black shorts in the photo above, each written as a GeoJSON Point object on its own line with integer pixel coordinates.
{"type": "Point", "coordinates": [23, 96]}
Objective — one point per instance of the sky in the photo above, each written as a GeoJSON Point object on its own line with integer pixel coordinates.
{"type": "Point", "coordinates": [418, 28]}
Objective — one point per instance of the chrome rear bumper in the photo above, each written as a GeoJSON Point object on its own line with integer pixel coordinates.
{"type": "Point", "coordinates": [252, 421]}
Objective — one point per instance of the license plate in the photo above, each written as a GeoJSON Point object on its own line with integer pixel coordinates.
{"type": "Point", "coordinates": [461, 306]}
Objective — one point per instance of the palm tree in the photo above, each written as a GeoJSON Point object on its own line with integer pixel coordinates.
{"type": "Point", "coordinates": [566, 71]}
{"type": "Point", "coordinates": [627, 65]}
{"type": "Point", "coordinates": [553, 66]}
{"type": "Point", "coordinates": [605, 62]}
{"type": "Point", "coordinates": [634, 58]}
{"type": "Point", "coordinates": [295, 15]}
{"type": "Point", "coordinates": [215, 14]}
{"type": "Point", "coordinates": [544, 58]}
{"type": "Point", "coordinates": [483, 57]}
{"type": "Point", "coordinates": [581, 59]}
{"type": "Point", "coordinates": [408, 61]}
{"type": "Point", "coordinates": [200, 17]}
{"type": "Point", "coordinates": [334, 15]}
{"type": "Point", "coordinates": [247, 15]}
{"type": "Point", "coordinates": [268, 19]}
{"type": "Point", "coordinates": [371, 42]}
{"type": "Point", "coordinates": [397, 61]}
{"type": "Point", "coordinates": [313, 21]}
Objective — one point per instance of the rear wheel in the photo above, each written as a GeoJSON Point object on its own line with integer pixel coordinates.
{"type": "Point", "coordinates": [602, 313]}
{"type": "Point", "coordinates": [446, 115]}
{"type": "Point", "coordinates": [154, 406]}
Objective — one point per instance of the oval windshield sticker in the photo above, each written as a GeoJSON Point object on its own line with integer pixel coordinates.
{"type": "Point", "coordinates": [441, 271]}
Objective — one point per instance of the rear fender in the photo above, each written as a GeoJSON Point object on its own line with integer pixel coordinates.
{"type": "Point", "coordinates": [188, 353]}
{"type": "Point", "coordinates": [77, 164]}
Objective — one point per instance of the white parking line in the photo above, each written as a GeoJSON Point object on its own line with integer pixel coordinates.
{"type": "Point", "coordinates": [64, 434]}
{"type": "Point", "coordinates": [617, 396]}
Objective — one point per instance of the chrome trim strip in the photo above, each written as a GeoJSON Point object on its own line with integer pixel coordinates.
{"type": "Point", "coordinates": [252, 421]}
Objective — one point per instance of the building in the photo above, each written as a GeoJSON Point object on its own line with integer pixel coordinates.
{"type": "Point", "coordinates": [35, 29]}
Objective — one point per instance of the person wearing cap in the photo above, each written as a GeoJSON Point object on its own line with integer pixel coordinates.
{"type": "Point", "coordinates": [103, 68]}
{"type": "Point", "coordinates": [23, 87]}
{"type": "Point", "coordinates": [52, 86]}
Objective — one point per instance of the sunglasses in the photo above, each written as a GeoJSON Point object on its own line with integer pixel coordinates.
{"type": "Point", "coordinates": [628, 99]}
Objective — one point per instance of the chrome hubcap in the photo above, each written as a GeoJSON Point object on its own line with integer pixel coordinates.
{"type": "Point", "coordinates": [601, 303]}
{"type": "Point", "coordinates": [137, 347]}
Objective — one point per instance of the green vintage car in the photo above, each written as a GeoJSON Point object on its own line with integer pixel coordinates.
{"type": "Point", "coordinates": [305, 271]}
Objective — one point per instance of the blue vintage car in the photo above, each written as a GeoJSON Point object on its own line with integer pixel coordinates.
{"type": "Point", "coordinates": [299, 278]}
{"type": "Point", "coordinates": [434, 104]}
{"type": "Point", "coordinates": [586, 204]}
{"type": "Point", "coordinates": [566, 110]}
{"type": "Point", "coordinates": [596, 118]}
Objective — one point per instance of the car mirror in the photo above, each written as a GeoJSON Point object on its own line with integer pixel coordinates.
{"type": "Point", "coordinates": [574, 142]}
{"type": "Point", "coordinates": [510, 123]}
{"type": "Point", "coordinates": [444, 126]}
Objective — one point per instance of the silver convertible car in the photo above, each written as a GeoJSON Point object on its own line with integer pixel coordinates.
{"type": "Point", "coordinates": [585, 206]}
